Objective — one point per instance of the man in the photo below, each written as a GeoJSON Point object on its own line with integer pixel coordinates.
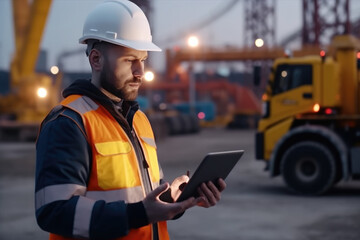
{"type": "Point", "coordinates": [97, 173]}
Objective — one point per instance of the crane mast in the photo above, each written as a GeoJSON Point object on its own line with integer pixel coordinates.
{"type": "Point", "coordinates": [31, 94]}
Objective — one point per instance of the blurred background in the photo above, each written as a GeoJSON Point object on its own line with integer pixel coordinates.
{"type": "Point", "coordinates": [232, 37]}
{"type": "Point", "coordinates": [217, 85]}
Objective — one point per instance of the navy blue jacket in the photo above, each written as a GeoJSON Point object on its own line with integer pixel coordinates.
{"type": "Point", "coordinates": [64, 157]}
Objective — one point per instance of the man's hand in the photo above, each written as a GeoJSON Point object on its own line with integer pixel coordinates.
{"type": "Point", "coordinates": [158, 210]}
{"type": "Point", "coordinates": [210, 194]}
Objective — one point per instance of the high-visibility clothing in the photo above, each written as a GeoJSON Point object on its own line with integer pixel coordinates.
{"type": "Point", "coordinates": [115, 173]}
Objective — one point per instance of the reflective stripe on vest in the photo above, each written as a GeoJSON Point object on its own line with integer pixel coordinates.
{"type": "Point", "coordinates": [115, 174]}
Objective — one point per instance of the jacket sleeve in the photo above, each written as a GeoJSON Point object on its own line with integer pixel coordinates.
{"type": "Point", "coordinates": [63, 165]}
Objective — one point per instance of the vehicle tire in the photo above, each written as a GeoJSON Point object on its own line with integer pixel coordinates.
{"type": "Point", "coordinates": [185, 123]}
{"type": "Point", "coordinates": [174, 125]}
{"type": "Point", "coordinates": [308, 168]}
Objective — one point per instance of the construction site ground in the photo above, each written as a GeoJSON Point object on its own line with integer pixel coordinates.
{"type": "Point", "coordinates": [253, 207]}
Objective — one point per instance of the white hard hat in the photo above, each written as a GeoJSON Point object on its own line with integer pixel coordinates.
{"type": "Point", "coordinates": [119, 22]}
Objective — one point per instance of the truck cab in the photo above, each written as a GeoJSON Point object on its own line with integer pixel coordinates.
{"type": "Point", "coordinates": [310, 128]}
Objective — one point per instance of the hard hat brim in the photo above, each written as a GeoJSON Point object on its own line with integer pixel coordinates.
{"type": "Point", "coordinates": [140, 46]}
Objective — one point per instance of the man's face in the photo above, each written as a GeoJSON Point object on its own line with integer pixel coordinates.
{"type": "Point", "coordinates": [122, 72]}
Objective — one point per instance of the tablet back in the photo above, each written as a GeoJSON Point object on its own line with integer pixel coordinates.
{"type": "Point", "coordinates": [214, 166]}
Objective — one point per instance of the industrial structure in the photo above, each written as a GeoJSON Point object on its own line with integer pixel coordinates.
{"type": "Point", "coordinates": [236, 101]}
{"type": "Point", "coordinates": [324, 19]}
{"type": "Point", "coordinates": [320, 18]}
{"type": "Point", "coordinates": [260, 22]}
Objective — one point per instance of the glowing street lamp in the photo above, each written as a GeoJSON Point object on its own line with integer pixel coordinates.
{"type": "Point", "coordinates": [54, 70]}
{"type": "Point", "coordinates": [42, 92]}
{"type": "Point", "coordinates": [149, 76]}
{"type": "Point", "coordinates": [259, 42]}
{"type": "Point", "coordinates": [193, 42]}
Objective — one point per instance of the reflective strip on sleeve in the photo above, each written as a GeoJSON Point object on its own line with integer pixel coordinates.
{"type": "Point", "coordinates": [82, 217]}
{"type": "Point", "coordinates": [83, 105]}
{"type": "Point", "coordinates": [58, 192]}
{"type": "Point", "coordinates": [129, 195]}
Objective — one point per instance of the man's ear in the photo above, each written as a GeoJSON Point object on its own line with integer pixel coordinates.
{"type": "Point", "coordinates": [96, 59]}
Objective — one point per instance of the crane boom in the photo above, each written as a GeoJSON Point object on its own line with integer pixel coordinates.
{"type": "Point", "coordinates": [29, 24]}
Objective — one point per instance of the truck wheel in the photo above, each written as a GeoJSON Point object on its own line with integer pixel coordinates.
{"type": "Point", "coordinates": [308, 168]}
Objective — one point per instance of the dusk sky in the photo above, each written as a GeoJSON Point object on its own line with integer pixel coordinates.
{"type": "Point", "coordinates": [170, 18]}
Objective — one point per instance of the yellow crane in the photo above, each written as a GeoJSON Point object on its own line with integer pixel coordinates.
{"type": "Point", "coordinates": [32, 94]}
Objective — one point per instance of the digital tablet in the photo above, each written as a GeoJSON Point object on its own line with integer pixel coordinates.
{"type": "Point", "coordinates": [214, 166]}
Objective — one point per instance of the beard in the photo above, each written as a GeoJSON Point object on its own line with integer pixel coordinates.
{"type": "Point", "coordinates": [122, 92]}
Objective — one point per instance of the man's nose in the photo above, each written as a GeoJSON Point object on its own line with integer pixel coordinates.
{"type": "Point", "coordinates": [138, 69]}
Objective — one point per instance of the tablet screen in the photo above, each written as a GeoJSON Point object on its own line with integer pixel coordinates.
{"type": "Point", "coordinates": [214, 166]}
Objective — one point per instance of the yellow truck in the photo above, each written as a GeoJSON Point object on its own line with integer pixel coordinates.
{"type": "Point", "coordinates": [310, 128]}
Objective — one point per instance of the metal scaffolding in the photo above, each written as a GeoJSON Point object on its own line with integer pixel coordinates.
{"type": "Point", "coordinates": [322, 19]}
{"type": "Point", "coordinates": [260, 22]}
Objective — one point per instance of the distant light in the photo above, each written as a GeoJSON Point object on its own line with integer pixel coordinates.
{"type": "Point", "coordinates": [201, 115]}
{"type": "Point", "coordinates": [316, 107]}
{"type": "Point", "coordinates": [259, 42]}
{"type": "Point", "coordinates": [322, 53]}
{"type": "Point", "coordinates": [328, 111]}
{"type": "Point", "coordinates": [54, 70]}
{"type": "Point", "coordinates": [42, 92]}
{"type": "Point", "coordinates": [193, 41]}
{"type": "Point", "coordinates": [284, 74]}
{"type": "Point", "coordinates": [264, 97]}
{"type": "Point", "coordinates": [163, 106]}
{"type": "Point", "coordinates": [224, 71]}
{"type": "Point", "coordinates": [149, 76]}
{"type": "Point", "coordinates": [288, 53]}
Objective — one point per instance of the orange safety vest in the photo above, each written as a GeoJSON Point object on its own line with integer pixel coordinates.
{"type": "Point", "coordinates": [115, 173]}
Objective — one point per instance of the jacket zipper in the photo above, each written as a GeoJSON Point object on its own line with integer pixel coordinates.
{"type": "Point", "coordinates": [145, 175]}
{"type": "Point", "coordinates": [143, 168]}
{"type": "Point", "coordinates": [143, 164]}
